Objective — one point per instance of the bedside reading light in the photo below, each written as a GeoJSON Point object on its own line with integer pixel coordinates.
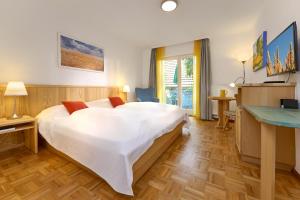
{"type": "Point", "coordinates": [242, 77]}
{"type": "Point", "coordinates": [15, 89]}
{"type": "Point", "coordinates": [233, 84]}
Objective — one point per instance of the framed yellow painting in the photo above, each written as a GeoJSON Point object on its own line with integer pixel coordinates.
{"type": "Point", "coordinates": [79, 55]}
{"type": "Point", "coordinates": [260, 52]}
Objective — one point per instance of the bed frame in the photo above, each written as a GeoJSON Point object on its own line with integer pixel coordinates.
{"type": "Point", "coordinates": [41, 97]}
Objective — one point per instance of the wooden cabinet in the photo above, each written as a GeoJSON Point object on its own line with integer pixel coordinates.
{"type": "Point", "coordinates": [238, 129]}
{"type": "Point", "coordinates": [248, 138]}
{"type": "Point", "coordinates": [18, 132]}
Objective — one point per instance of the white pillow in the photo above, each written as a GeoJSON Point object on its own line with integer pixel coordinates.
{"type": "Point", "coordinates": [101, 103]}
{"type": "Point", "coordinates": [53, 112]}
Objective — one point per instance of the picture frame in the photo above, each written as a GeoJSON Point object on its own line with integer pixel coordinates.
{"type": "Point", "coordinates": [79, 55]}
{"type": "Point", "coordinates": [260, 52]}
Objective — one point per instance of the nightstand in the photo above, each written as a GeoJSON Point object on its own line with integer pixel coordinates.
{"type": "Point", "coordinates": [25, 125]}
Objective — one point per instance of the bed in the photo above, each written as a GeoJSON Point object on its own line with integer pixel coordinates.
{"type": "Point", "coordinates": [118, 144]}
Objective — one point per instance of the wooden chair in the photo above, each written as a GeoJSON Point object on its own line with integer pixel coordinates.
{"type": "Point", "coordinates": [229, 116]}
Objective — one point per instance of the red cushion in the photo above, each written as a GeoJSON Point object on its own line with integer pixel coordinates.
{"type": "Point", "coordinates": [73, 106]}
{"type": "Point", "coordinates": [116, 101]}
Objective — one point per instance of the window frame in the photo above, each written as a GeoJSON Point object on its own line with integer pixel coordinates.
{"type": "Point", "coordinates": [179, 58]}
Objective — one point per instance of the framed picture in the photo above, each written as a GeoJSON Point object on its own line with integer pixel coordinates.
{"type": "Point", "coordinates": [79, 55]}
{"type": "Point", "coordinates": [283, 51]}
{"type": "Point", "coordinates": [260, 52]}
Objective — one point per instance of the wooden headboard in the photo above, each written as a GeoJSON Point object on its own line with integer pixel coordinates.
{"type": "Point", "coordinates": [44, 96]}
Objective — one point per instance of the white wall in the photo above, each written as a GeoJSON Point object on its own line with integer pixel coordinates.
{"type": "Point", "coordinates": [28, 45]}
{"type": "Point", "coordinates": [146, 66]}
{"type": "Point", "coordinates": [179, 49]}
{"type": "Point", "coordinates": [228, 49]}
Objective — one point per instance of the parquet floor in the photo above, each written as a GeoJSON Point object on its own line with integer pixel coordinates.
{"type": "Point", "coordinates": [204, 165]}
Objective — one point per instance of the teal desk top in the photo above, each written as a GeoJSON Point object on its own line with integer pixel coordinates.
{"type": "Point", "coordinates": [276, 116]}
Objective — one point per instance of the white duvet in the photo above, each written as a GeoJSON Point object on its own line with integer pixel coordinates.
{"type": "Point", "coordinates": [109, 140]}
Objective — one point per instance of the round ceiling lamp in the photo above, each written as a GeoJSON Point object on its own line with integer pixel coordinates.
{"type": "Point", "coordinates": [168, 5]}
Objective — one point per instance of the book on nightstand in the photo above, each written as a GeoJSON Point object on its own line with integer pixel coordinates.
{"type": "Point", "coordinates": [7, 130]}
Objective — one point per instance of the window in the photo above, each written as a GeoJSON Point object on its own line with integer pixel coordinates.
{"type": "Point", "coordinates": [179, 81]}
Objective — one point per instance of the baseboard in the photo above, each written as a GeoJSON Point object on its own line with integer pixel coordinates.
{"type": "Point", "coordinates": [215, 116]}
{"type": "Point", "coordinates": [256, 161]}
{"type": "Point", "coordinates": [296, 174]}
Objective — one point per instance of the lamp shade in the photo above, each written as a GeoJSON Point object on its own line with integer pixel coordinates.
{"type": "Point", "coordinates": [232, 85]}
{"type": "Point", "coordinates": [126, 88]}
{"type": "Point", "coordinates": [14, 88]}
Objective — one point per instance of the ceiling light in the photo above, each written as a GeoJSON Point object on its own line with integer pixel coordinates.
{"type": "Point", "coordinates": [169, 5]}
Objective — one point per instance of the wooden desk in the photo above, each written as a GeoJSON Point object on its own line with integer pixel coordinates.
{"type": "Point", "coordinates": [223, 105]}
{"type": "Point", "coordinates": [269, 118]}
{"type": "Point", "coordinates": [248, 137]}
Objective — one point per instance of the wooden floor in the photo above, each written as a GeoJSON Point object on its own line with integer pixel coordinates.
{"type": "Point", "coordinates": [204, 165]}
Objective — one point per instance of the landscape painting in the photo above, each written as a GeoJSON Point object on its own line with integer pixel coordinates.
{"type": "Point", "coordinates": [281, 53]}
{"type": "Point", "coordinates": [259, 52]}
{"type": "Point", "coordinates": [80, 55]}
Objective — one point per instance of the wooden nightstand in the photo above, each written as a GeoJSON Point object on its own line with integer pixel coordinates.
{"type": "Point", "coordinates": [26, 125]}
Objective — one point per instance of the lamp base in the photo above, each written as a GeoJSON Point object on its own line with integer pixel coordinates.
{"type": "Point", "coordinates": [14, 116]}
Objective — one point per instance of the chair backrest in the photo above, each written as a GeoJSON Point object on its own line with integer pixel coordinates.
{"type": "Point", "coordinates": [145, 94]}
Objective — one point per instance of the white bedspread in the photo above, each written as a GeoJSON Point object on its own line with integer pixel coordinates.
{"type": "Point", "coordinates": [109, 141]}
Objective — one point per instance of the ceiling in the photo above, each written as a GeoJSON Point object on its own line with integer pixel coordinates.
{"type": "Point", "coordinates": [145, 24]}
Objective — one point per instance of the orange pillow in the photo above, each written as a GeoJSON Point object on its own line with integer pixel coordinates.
{"type": "Point", "coordinates": [73, 106]}
{"type": "Point", "coordinates": [116, 101]}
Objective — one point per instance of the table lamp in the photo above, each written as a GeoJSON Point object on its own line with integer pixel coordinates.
{"type": "Point", "coordinates": [126, 89]}
{"type": "Point", "coordinates": [15, 89]}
